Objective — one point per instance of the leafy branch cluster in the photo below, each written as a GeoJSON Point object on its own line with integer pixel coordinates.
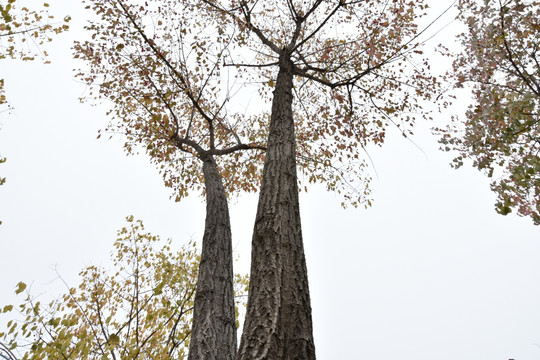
{"type": "Point", "coordinates": [23, 32]}
{"type": "Point", "coordinates": [500, 61]}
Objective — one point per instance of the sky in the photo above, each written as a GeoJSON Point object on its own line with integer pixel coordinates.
{"type": "Point", "coordinates": [430, 271]}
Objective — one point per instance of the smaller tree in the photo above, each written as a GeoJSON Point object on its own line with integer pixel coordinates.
{"type": "Point", "coordinates": [500, 60]}
{"type": "Point", "coordinates": [140, 310]}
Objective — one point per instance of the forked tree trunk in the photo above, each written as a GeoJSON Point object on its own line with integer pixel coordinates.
{"type": "Point", "coordinates": [213, 334]}
{"type": "Point", "coordinates": [278, 322]}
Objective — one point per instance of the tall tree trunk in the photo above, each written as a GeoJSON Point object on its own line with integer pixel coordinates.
{"type": "Point", "coordinates": [213, 335]}
{"type": "Point", "coordinates": [278, 320]}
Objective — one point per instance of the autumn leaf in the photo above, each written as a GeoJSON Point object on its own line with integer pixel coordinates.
{"type": "Point", "coordinates": [20, 288]}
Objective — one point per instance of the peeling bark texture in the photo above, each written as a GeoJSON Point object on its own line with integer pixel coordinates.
{"type": "Point", "coordinates": [278, 323]}
{"type": "Point", "coordinates": [213, 335]}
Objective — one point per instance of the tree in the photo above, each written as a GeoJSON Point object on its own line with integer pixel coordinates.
{"type": "Point", "coordinates": [339, 78]}
{"type": "Point", "coordinates": [166, 97]}
{"type": "Point", "coordinates": [338, 74]}
{"type": "Point", "coordinates": [141, 309]}
{"type": "Point", "coordinates": [500, 132]}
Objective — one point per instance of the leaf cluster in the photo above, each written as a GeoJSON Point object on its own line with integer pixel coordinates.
{"type": "Point", "coordinates": [23, 31]}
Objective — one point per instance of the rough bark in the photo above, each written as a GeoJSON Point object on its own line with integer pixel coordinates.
{"type": "Point", "coordinates": [213, 334]}
{"type": "Point", "coordinates": [278, 321]}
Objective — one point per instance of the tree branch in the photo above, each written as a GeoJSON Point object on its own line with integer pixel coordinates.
{"type": "Point", "coordinates": [321, 25]}
{"type": "Point", "coordinates": [247, 23]}
{"type": "Point", "coordinates": [237, 148]}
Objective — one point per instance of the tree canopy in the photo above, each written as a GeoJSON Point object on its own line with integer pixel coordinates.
{"type": "Point", "coordinates": [177, 73]}
{"type": "Point", "coordinates": [167, 93]}
{"type": "Point", "coordinates": [500, 132]}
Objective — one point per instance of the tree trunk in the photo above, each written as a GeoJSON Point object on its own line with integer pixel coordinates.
{"type": "Point", "coordinates": [213, 335]}
{"type": "Point", "coordinates": [278, 320]}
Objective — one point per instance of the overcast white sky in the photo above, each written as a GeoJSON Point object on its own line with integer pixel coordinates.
{"type": "Point", "coordinates": [429, 272]}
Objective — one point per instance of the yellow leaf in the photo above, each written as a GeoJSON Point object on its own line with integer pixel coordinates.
{"type": "Point", "coordinates": [20, 288]}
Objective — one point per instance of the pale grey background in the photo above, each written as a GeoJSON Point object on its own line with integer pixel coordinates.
{"type": "Point", "coordinates": [429, 272]}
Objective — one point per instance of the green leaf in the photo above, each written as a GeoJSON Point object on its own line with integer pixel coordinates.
{"type": "Point", "coordinates": [159, 289]}
{"type": "Point", "coordinates": [114, 339]}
